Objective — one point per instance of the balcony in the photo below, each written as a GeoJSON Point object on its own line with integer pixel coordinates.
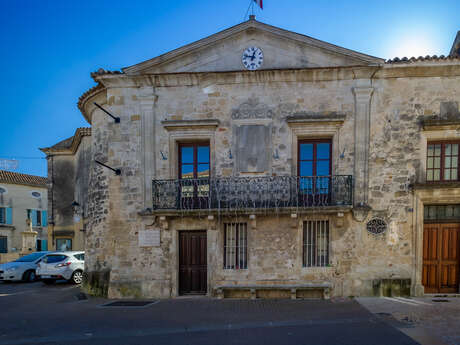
{"type": "Point", "coordinates": [253, 193]}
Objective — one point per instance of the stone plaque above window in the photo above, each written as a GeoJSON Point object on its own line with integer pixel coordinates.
{"type": "Point", "coordinates": [253, 148]}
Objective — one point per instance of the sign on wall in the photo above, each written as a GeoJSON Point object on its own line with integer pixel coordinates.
{"type": "Point", "coordinates": [149, 238]}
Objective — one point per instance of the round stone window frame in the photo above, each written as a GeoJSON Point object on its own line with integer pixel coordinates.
{"type": "Point", "coordinates": [376, 226]}
{"type": "Point", "coordinates": [3, 190]}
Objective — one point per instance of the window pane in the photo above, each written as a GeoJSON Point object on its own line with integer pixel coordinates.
{"type": "Point", "coordinates": [430, 150]}
{"type": "Point", "coordinates": [447, 162]}
{"type": "Point", "coordinates": [203, 170]}
{"type": "Point", "coordinates": [437, 150]}
{"type": "Point", "coordinates": [447, 174]}
{"type": "Point", "coordinates": [323, 150]}
{"type": "Point", "coordinates": [306, 151]}
{"type": "Point", "coordinates": [306, 168]}
{"type": "Point", "coordinates": [454, 174]}
{"type": "Point", "coordinates": [187, 171]}
{"type": "Point", "coordinates": [437, 162]}
{"type": "Point", "coordinates": [448, 149]}
{"type": "Point", "coordinates": [322, 168]}
{"type": "Point", "coordinates": [455, 149]}
{"type": "Point", "coordinates": [187, 154]}
{"type": "Point", "coordinates": [455, 162]}
{"type": "Point", "coordinates": [429, 163]}
{"type": "Point", "coordinates": [429, 175]}
{"type": "Point", "coordinates": [203, 154]}
{"type": "Point", "coordinates": [437, 175]}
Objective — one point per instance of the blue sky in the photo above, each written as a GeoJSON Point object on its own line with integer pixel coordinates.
{"type": "Point", "coordinates": [49, 48]}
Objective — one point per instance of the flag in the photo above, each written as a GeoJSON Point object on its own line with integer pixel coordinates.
{"type": "Point", "coordinates": [260, 3]}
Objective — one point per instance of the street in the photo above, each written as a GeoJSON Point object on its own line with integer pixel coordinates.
{"type": "Point", "coordinates": [60, 314]}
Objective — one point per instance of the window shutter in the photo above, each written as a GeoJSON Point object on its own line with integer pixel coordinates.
{"type": "Point", "coordinates": [34, 217]}
{"type": "Point", "coordinates": [44, 244]}
{"type": "Point", "coordinates": [44, 218]}
{"type": "Point", "coordinates": [9, 215]}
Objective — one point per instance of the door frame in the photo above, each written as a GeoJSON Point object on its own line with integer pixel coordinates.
{"type": "Point", "coordinates": [441, 195]}
{"type": "Point", "coordinates": [178, 232]}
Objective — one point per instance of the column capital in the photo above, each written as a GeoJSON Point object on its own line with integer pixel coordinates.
{"type": "Point", "coordinates": [363, 94]}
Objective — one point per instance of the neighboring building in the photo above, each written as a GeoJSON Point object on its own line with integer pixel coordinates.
{"type": "Point", "coordinates": [319, 165]}
{"type": "Point", "coordinates": [22, 198]}
{"type": "Point", "coordinates": [68, 173]}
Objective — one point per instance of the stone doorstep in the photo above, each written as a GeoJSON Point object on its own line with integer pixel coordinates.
{"type": "Point", "coordinates": [437, 295]}
{"type": "Point", "coordinates": [293, 288]}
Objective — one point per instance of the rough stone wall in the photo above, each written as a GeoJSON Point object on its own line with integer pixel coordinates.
{"type": "Point", "coordinates": [357, 258]}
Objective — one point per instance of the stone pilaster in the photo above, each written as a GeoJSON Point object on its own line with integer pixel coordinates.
{"type": "Point", "coordinates": [147, 103]}
{"type": "Point", "coordinates": [362, 128]}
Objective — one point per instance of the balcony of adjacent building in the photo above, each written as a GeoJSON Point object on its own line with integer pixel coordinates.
{"type": "Point", "coordinates": [272, 194]}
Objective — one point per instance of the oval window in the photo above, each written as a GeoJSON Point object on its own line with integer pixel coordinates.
{"type": "Point", "coordinates": [36, 194]}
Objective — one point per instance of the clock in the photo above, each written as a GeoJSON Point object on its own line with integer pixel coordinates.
{"type": "Point", "coordinates": [252, 58]}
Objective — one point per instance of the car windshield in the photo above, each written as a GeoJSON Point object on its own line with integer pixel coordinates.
{"type": "Point", "coordinates": [30, 257]}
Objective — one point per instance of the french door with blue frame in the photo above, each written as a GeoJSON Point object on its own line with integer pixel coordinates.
{"type": "Point", "coordinates": [314, 170]}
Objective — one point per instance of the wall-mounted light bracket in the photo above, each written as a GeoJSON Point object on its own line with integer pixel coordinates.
{"type": "Point", "coordinates": [116, 119]}
{"type": "Point", "coordinates": [116, 171]}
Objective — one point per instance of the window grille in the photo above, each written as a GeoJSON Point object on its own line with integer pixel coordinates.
{"type": "Point", "coordinates": [236, 246]}
{"type": "Point", "coordinates": [2, 215]}
{"type": "Point", "coordinates": [316, 243]}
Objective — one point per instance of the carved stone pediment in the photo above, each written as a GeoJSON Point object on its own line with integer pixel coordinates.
{"type": "Point", "coordinates": [252, 109]}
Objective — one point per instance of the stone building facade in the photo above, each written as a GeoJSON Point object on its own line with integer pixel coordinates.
{"type": "Point", "coordinates": [262, 162]}
{"type": "Point", "coordinates": [69, 163]}
{"type": "Point", "coordinates": [23, 214]}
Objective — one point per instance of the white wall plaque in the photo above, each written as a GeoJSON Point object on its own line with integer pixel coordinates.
{"type": "Point", "coordinates": [149, 238]}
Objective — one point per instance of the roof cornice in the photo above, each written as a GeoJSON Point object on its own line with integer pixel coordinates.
{"type": "Point", "coordinates": [76, 140]}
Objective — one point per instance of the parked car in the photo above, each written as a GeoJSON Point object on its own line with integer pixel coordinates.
{"type": "Point", "coordinates": [23, 268]}
{"type": "Point", "coordinates": [62, 265]}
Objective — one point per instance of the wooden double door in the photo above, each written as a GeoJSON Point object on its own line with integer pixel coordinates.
{"type": "Point", "coordinates": [193, 275]}
{"type": "Point", "coordinates": [441, 258]}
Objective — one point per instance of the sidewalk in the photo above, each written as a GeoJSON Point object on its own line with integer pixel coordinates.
{"type": "Point", "coordinates": [428, 320]}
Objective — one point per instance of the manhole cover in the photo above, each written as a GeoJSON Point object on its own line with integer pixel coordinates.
{"type": "Point", "coordinates": [128, 304]}
{"type": "Point", "coordinates": [440, 300]}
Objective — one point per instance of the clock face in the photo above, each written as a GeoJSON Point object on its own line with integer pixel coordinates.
{"type": "Point", "coordinates": [252, 58]}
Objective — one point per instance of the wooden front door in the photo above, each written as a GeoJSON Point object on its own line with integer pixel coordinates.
{"type": "Point", "coordinates": [441, 258]}
{"type": "Point", "coordinates": [192, 262]}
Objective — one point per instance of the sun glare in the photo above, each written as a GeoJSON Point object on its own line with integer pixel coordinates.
{"type": "Point", "coordinates": [412, 44]}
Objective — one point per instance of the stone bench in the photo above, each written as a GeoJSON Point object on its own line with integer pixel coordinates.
{"type": "Point", "coordinates": [324, 287]}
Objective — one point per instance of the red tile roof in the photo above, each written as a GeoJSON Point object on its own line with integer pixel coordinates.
{"type": "Point", "coordinates": [23, 179]}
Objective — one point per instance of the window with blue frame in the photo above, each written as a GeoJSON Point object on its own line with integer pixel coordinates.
{"type": "Point", "coordinates": [6, 215]}
{"type": "Point", "coordinates": [38, 218]}
{"type": "Point", "coordinates": [314, 165]}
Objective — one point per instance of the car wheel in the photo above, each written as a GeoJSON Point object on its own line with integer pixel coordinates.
{"type": "Point", "coordinates": [48, 281]}
{"type": "Point", "coordinates": [77, 277]}
{"type": "Point", "coordinates": [30, 276]}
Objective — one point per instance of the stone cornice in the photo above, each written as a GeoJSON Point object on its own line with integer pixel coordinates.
{"type": "Point", "coordinates": [85, 102]}
{"type": "Point", "coordinates": [76, 140]}
{"type": "Point", "coordinates": [440, 124]}
{"type": "Point", "coordinates": [281, 75]}
{"type": "Point", "coordinates": [181, 125]}
{"type": "Point", "coordinates": [437, 185]}
{"type": "Point", "coordinates": [315, 118]}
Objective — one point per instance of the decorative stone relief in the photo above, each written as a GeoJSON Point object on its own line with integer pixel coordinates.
{"type": "Point", "coordinates": [376, 226]}
{"type": "Point", "coordinates": [252, 109]}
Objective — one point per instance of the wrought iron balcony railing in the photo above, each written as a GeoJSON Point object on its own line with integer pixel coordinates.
{"type": "Point", "coordinates": [237, 193]}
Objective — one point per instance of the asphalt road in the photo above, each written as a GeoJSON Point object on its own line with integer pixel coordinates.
{"type": "Point", "coordinates": [39, 314]}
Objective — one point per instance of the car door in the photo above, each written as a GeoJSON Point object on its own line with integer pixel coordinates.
{"type": "Point", "coordinates": [50, 262]}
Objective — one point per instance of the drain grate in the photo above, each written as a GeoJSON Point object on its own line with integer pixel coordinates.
{"type": "Point", "coordinates": [128, 304]}
{"type": "Point", "coordinates": [440, 300]}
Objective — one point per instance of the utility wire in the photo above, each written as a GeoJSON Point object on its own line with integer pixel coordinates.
{"type": "Point", "coordinates": [19, 157]}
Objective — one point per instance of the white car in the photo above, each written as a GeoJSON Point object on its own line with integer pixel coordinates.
{"type": "Point", "coordinates": [62, 265]}
{"type": "Point", "coordinates": [21, 269]}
